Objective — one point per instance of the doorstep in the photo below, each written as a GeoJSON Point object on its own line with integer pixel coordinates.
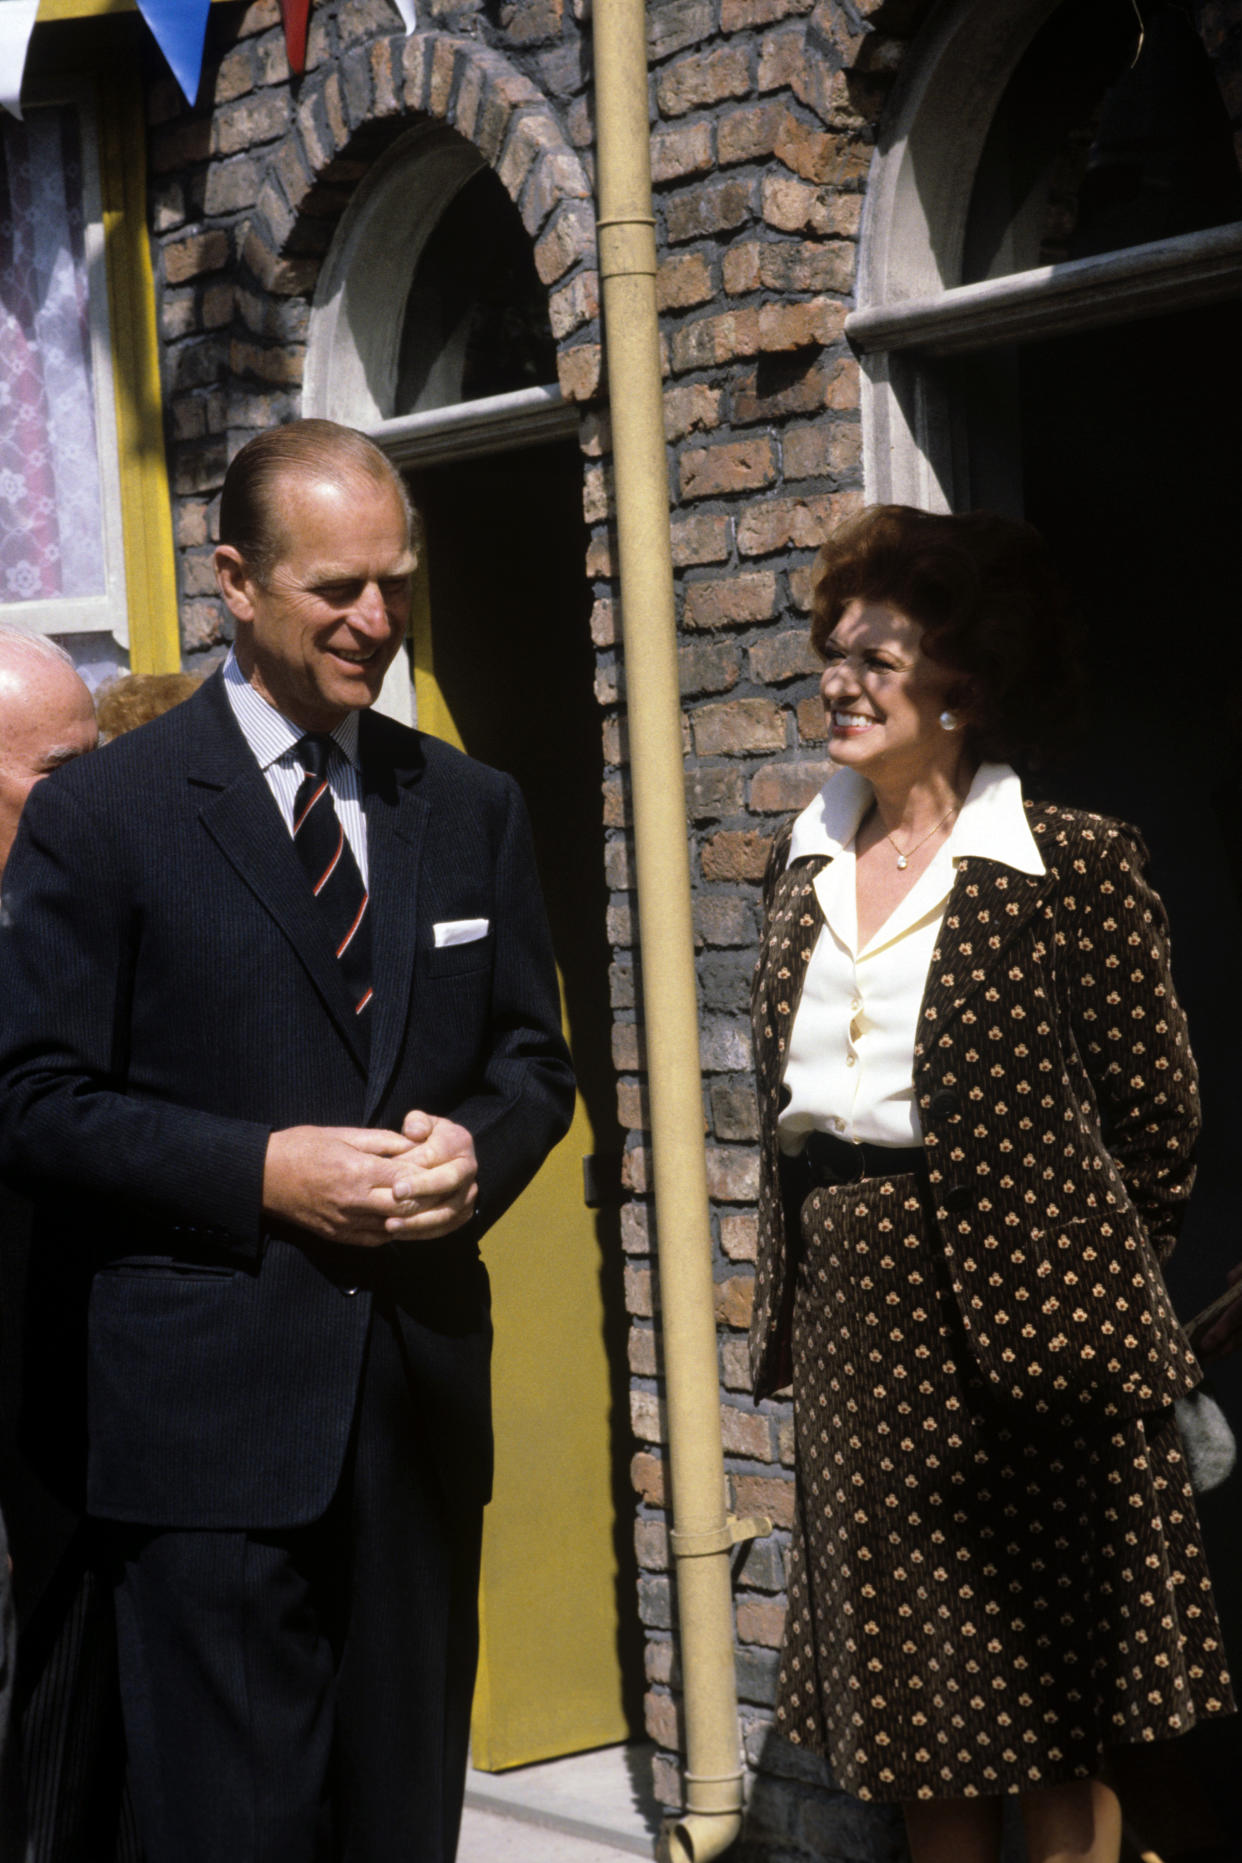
{"type": "Point", "coordinates": [605, 1795]}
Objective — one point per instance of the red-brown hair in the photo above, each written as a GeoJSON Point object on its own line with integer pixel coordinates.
{"type": "Point", "coordinates": [985, 592]}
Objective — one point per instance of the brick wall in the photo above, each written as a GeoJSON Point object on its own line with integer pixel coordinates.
{"type": "Point", "coordinates": [764, 117]}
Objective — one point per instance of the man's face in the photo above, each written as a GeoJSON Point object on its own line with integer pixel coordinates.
{"type": "Point", "coordinates": [46, 718]}
{"type": "Point", "coordinates": [317, 635]}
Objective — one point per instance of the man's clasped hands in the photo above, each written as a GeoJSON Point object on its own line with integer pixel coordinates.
{"type": "Point", "coordinates": [354, 1185]}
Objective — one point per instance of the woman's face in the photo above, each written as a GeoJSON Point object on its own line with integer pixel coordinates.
{"type": "Point", "coordinates": [883, 698]}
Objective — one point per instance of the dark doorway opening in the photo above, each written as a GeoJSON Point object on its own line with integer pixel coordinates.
{"type": "Point", "coordinates": [514, 665]}
{"type": "Point", "coordinates": [1131, 469]}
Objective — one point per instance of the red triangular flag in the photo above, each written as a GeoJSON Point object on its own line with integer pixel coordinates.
{"type": "Point", "coordinates": [296, 15]}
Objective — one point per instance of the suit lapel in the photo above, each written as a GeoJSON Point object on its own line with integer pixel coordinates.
{"type": "Point", "coordinates": [396, 828]}
{"type": "Point", "coordinates": [988, 907]}
{"type": "Point", "coordinates": [240, 814]}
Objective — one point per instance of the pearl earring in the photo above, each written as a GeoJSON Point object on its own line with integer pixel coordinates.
{"type": "Point", "coordinates": [949, 721]}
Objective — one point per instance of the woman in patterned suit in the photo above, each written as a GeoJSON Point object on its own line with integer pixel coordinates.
{"type": "Point", "coordinates": [978, 1114]}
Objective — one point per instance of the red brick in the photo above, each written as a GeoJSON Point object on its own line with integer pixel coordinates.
{"type": "Point", "coordinates": [254, 119]}
{"type": "Point", "coordinates": [604, 623]}
{"type": "Point", "coordinates": [739, 1235]}
{"type": "Point", "coordinates": [712, 793]}
{"type": "Point", "coordinates": [738, 725]}
{"type": "Point", "coordinates": [746, 1434]}
{"type": "Point", "coordinates": [694, 408]}
{"type": "Point", "coordinates": [749, 596]}
{"type": "Point", "coordinates": [781, 57]}
{"type": "Point", "coordinates": [782, 788]}
{"type": "Point", "coordinates": [700, 538]}
{"type": "Point", "coordinates": [683, 281]}
{"type": "Point", "coordinates": [579, 370]}
{"type": "Point", "coordinates": [797, 207]}
{"type": "Point", "coordinates": [799, 326]}
{"type": "Point", "coordinates": [191, 523]}
{"type": "Point", "coordinates": [625, 1050]}
{"type": "Point", "coordinates": [635, 1174]}
{"type": "Point", "coordinates": [658, 1660]}
{"type": "Point", "coordinates": [735, 856]}
{"type": "Point", "coordinates": [802, 587]}
{"type": "Point", "coordinates": [736, 15]}
{"type": "Point", "coordinates": [734, 1112]}
{"type": "Point", "coordinates": [826, 450]}
{"type": "Point", "coordinates": [190, 258]}
{"type": "Point", "coordinates": [761, 1621]}
{"type": "Point", "coordinates": [569, 237]}
{"type": "Point", "coordinates": [674, 24]}
{"type": "Point", "coordinates": [638, 1292]}
{"type": "Point", "coordinates": [709, 207]}
{"type": "Point", "coordinates": [786, 1445]}
{"type": "Point", "coordinates": [764, 1494]}
{"type": "Point", "coordinates": [647, 1475]}
{"type": "Point", "coordinates": [812, 724]}
{"type": "Point", "coordinates": [711, 340]}
{"type": "Point", "coordinates": [283, 365]}
{"type": "Point", "coordinates": [647, 1418]}
{"type": "Point", "coordinates": [734, 1299]}
{"type": "Point", "coordinates": [666, 1781]}
{"type": "Point", "coordinates": [741, 268]}
{"type": "Point", "coordinates": [573, 304]}
{"type": "Point", "coordinates": [781, 523]}
{"type": "Point", "coordinates": [642, 1352]}
{"type": "Point", "coordinates": [734, 1362]}
{"type": "Point", "coordinates": [234, 75]}
{"type": "Point", "coordinates": [723, 922]}
{"type": "Point", "coordinates": [597, 493]}
{"type": "Point", "coordinates": [635, 1228]}
{"type": "Point", "coordinates": [787, 655]}
{"type": "Point", "coordinates": [708, 666]}
{"type": "Point", "coordinates": [662, 1719]}
{"type": "Point", "coordinates": [651, 1545]}
{"type": "Point", "coordinates": [632, 1109]}
{"type": "Point", "coordinates": [686, 150]}
{"type": "Point", "coordinates": [732, 1174]}
{"type": "Point", "coordinates": [782, 265]}
{"type": "Point", "coordinates": [749, 134]}
{"type": "Point", "coordinates": [824, 384]}
{"type": "Point", "coordinates": [703, 78]}
{"type": "Point", "coordinates": [526, 22]}
{"type": "Point", "coordinates": [713, 471]}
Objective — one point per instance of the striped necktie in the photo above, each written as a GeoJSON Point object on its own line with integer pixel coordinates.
{"type": "Point", "coordinates": [331, 868]}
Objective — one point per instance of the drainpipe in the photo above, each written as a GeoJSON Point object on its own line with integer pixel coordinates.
{"type": "Point", "coordinates": [703, 1536]}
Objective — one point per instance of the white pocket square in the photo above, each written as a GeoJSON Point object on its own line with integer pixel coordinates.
{"type": "Point", "coordinates": [460, 931]}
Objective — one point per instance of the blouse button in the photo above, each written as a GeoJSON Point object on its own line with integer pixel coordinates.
{"type": "Point", "coordinates": [850, 1059]}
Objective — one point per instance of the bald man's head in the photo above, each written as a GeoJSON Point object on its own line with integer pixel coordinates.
{"type": "Point", "coordinates": [46, 718]}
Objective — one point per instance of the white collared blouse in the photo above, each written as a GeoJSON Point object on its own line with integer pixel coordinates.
{"type": "Point", "coordinates": [851, 1050]}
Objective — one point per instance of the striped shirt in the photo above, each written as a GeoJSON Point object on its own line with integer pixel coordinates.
{"type": "Point", "coordinates": [272, 738]}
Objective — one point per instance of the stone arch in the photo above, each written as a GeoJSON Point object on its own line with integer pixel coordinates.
{"type": "Point", "coordinates": [380, 91]}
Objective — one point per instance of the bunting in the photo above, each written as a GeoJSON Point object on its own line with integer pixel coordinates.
{"type": "Point", "coordinates": [180, 29]}
{"type": "Point", "coordinates": [17, 18]}
{"type": "Point", "coordinates": [296, 17]}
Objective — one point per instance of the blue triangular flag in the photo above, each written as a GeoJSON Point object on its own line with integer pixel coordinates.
{"type": "Point", "coordinates": [180, 27]}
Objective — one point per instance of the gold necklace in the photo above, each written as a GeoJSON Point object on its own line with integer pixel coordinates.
{"type": "Point", "coordinates": [903, 860]}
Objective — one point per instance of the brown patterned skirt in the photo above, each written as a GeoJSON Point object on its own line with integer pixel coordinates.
{"type": "Point", "coordinates": [979, 1602]}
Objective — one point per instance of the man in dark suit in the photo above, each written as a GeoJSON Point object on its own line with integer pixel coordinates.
{"type": "Point", "coordinates": [281, 1039]}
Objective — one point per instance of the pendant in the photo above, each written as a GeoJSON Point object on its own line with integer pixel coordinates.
{"type": "Point", "coordinates": [902, 863]}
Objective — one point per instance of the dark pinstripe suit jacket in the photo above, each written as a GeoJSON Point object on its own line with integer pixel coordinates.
{"type": "Point", "coordinates": [169, 997]}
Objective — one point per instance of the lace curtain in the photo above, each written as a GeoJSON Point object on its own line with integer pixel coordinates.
{"type": "Point", "coordinates": [51, 516]}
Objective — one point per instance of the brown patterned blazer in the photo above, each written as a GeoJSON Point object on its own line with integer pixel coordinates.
{"type": "Point", "coordinates": [1059, 1104]}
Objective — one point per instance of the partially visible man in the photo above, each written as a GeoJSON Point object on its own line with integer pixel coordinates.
{"type": "Point", "coordinates": [281, 1038]}
{"type": "Point", "coordinates": [46, 719]}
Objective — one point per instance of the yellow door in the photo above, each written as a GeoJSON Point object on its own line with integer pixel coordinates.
{"type": "Point", "coordinates": [503, 667]}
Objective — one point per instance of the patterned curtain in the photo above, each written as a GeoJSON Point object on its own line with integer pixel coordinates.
{"type": "Point", "coordinates": [51, 519]}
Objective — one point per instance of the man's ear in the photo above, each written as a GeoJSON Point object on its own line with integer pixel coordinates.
{"type": "Point", "coordinates": [234, 582]}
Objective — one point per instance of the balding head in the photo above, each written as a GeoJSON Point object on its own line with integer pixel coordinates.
{"type": "Point", "coordinates": [46, 718]}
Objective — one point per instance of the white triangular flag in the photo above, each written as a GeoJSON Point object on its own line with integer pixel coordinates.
{"type": "Point", "coordinates": [17, 18]}
{"type": "Point", "coordinates": [408, 15]}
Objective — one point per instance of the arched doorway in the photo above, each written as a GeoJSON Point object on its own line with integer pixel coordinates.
{"type": "Point", "coordinates": [1049, 317]}
{"type": "Point", "coordinates": [431, 331]}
